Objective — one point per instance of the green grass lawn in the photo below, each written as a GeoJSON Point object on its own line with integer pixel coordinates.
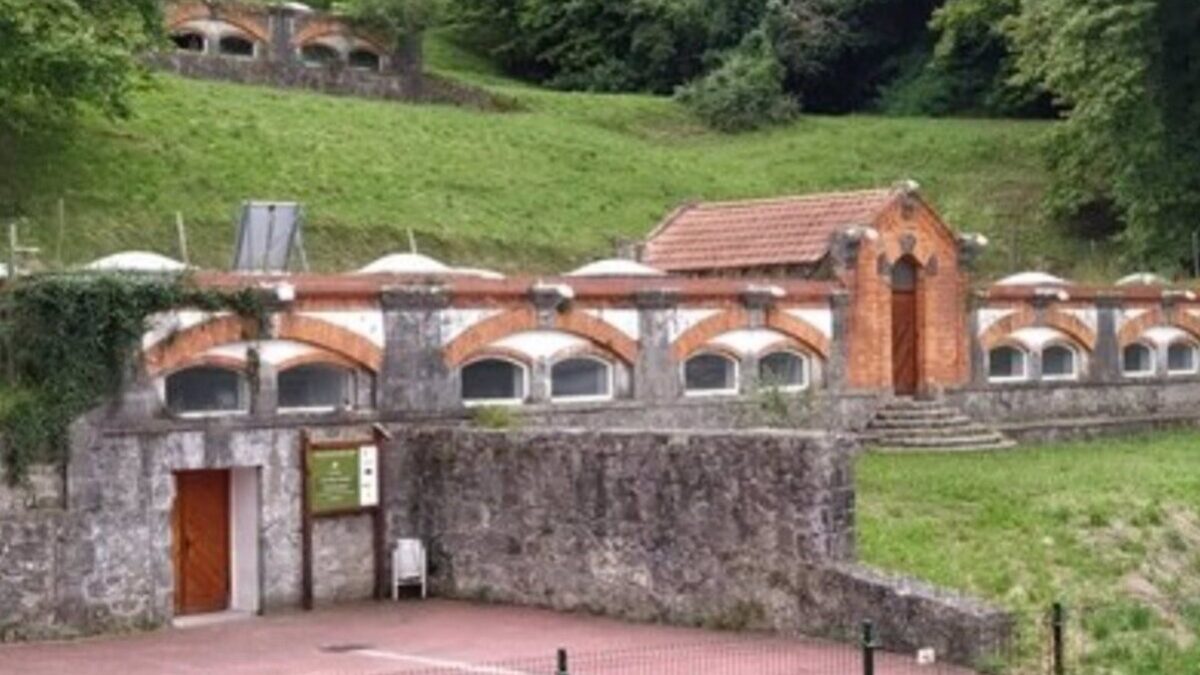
{"type": "Point", "coordinates": [1112, 526]}
{"type": "Point", "coordinates": [541, 189]}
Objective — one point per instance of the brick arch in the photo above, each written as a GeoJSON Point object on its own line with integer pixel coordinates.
{"type": "Point", "coordinates": [245, 25]}
{"type": "Point", "coordinates": [574, 321]}
{"type": "Point", "coordinates": [323, 358]}
{"type": "Point", "coordinates": [329, 336]}
{"type": "Point", "coordinates": [698, 336]}
{"type": "Point", "coordinates": [1132, 330]}
{"type": "Point", "coordinates": [799, 330]}
{"type": "Point", "coordinates": [187, 345]}
{"type": "Point", "coordinates": [221, 361]}
{"type": "Point", "coordinates": [330, 27]}
{"type": "Point", "coordinates": [1025, 317]}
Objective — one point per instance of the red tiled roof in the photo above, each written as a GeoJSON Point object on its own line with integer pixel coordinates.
{"type": "Point", "coordinates": [782, 231]}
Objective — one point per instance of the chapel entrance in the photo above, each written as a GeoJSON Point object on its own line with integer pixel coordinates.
{"type": "Point", "coordinates": [904, 326]}
{"type": "Point", "coordinates": [201, 541]}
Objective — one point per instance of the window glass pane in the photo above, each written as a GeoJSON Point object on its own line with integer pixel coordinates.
{"type": "Point", "coordinates": [579, 377]}
{"type": "Point", "coordinates": [1181, 358]}
{"type": "Point", "coordinates": [318, 55]}
{"type": "Point", "coordinates": [188, 42]}
{"type": "Point", "coordinates": [204, 389]}
{"type": "Point", "coordinates": [1058, 361]}
{"type": "Point", "coordinates": [315, 386]}
{"type": "Point", "coordinates": [1006, 362]}
{"type": "Point", "coordinates": [781, 369]}
{"type": "Point", "coordinates": [364, 60]}
{"type": "Point", "coordinates": [492, 379]}
{"type": "Point", "coordinates": [708, 372]}
{"type": "Point", "coordinates": [1137, 358]}
{"type": "Point", "coordinates": [236, 46]}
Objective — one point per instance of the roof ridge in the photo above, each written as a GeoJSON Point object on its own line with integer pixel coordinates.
{"type": "Point", "coordinates": [811, 196]}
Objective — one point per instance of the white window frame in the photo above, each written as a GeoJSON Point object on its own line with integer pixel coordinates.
{"type": "Point", "coordinates": [807, 371]}
{"type": "Point", "coordinates": [483, 402]}
{"type": "Point", "coordinates": [1190, 344]}
{"type": "Point", "coordinates": [351, 374]}
{"type": "Point", "coordinates": [244, 394]}
{"type": "Point", "coordinates": [183, 33]}
{"type": "Point", "coordinates": [610, 375]}
{"type": "Point", "coordinates": [734, 390]}
{"type": "Point", "coordinates": [318, 64]}
{"type": "Point", "coordinates": [1001, 379]}
{"type": "Point", "coordinates": [1075, 363]}
{"type": "Point", "coordinates": [1140, 374]}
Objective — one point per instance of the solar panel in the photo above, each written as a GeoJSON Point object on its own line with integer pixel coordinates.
{"type": "Point", "coordinates": [267, 235]}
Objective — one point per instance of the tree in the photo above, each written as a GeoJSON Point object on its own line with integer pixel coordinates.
{"type": "Point", "coordinates": [58, 54]}
{"type": "Point", "coordinates": [402, 22]}
{"type": "Point", "coordinates": [1128, 73]}
{"type": "Point", "coordinates": [745, 92]}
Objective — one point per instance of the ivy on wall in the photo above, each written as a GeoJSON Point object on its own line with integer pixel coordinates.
{"type": "Point", "coordinates": [68, 342]}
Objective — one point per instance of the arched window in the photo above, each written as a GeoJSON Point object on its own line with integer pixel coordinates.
{"type": "Point", "coordinates": [1006, 364]}
{"type": "Point", "coordinates": [206, 389]}
{"type": "Point", "coordinates": [493, 381]}
{"type": "Point", "coordinates": [188, 42]}
{"type": "Point", "coordinates": [1059, 362]}
{"type": "Point", "coordinates": [319, 55]}
{"type": "Point", "coordinates": [581, 378]}
{"type": "Point", "coordinates": [1137, 360]}
{"type": "Point", "coordinates": [710, 374]}
{"type": "Point", "coordinates": [364, 59]}
{"type": "Point", "coordinates": [1181, 358]}
{"type": "Point", "coordinates": [233, 45]}
{"type": "Point", "coordinates": [783, 370]}
{"type": "Point", "coordinates": [316, 386]}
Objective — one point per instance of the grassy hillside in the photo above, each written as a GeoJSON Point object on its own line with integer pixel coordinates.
{"type": "Point", "coordinates": [539, 189]}
{"type": "Point", "coordinates": [1112, 528]}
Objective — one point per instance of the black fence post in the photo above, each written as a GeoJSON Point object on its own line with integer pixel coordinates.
{"type": "Point", "coordinates": [868, 648]}
{"type": "Point", "coordinates": [1056, 634]}
{"type": "Point", "coordinates": [562, 663]}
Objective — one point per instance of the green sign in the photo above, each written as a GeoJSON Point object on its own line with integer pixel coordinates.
{"type": "Point", "coordinates": [333, 480]}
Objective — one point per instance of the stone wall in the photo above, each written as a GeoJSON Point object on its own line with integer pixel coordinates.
{"type": "Point", "coordinates": [725, 529]}
{"type": "Point", "coordinates": [340, 80]}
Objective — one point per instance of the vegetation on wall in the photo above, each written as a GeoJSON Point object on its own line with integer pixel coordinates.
{"type": "Point", "coordinates": [68, 341]}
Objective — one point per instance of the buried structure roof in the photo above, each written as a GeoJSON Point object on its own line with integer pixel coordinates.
{"type": "Point", "coordinates": [762, 232]}
{"type": "Point", "coordinates": [1032, 279]}
{"type": "Point", "coordinates": [136, 261]}
{"type": "Point", "coordinates": [616, 267]}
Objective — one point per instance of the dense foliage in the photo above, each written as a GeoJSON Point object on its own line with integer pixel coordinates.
{"type": "Point", "coordinates": [57, 54]}
{"type": "Point", "coordinates": [1129, 74]}
{"type": "Point", "coordinates": [68, 341]}
{"type": "Point", "coordinates": [745, 92]}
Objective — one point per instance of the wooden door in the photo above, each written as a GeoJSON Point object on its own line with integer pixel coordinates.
{"type": "Point", "coordinates": [905, 336]}
{"type": "Point", "coordinates": [200, 526]}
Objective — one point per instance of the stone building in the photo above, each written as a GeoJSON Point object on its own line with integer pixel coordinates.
{"type": "Point", "coordinates": [288, 44]}
{"type": "Point", "coordinates": [853, 311]}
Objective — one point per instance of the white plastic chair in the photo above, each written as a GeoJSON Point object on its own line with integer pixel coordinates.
{"type": "Point", "coordinates": [408, 566]}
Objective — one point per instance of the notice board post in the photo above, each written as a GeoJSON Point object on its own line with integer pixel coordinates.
{"type": "Point", "coordinates": [338, 479]}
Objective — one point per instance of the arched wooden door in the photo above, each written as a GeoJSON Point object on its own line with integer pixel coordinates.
{"type": "Point", "coordinates": [905, 334]}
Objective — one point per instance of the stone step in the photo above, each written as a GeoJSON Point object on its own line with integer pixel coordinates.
{"type": "Point", "coordinates": [926, 423]}
{"type": "Point", "coordinates": [926, 414]}
{"type": "Point", "coordinates": [971, 440]}
{"type": "Point", "coordinates": [915, 404]}
{"type": "Point", "coordinates": [1004, 444]}
{"type": "Point", "coordinates": [930, 432]}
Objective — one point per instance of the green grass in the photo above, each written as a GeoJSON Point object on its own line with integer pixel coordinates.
{"type": "Point", "coordinates": [541, 189]}
{"type": "Point", "coordinates": [1112, 526]}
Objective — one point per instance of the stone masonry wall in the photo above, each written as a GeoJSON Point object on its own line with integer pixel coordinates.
{"type": "Point", "coordinates": [726, 529]}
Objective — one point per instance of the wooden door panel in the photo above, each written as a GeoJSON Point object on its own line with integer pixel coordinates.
{"type": "Point", "coordinates": [904, 341]}
{"type": "Point", "coordinates": [201, 528]}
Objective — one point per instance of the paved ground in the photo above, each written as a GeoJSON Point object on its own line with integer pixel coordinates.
{"type": "Point", "coordinates": [443, 638]}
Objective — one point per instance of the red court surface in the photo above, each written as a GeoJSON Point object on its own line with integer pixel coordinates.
{"type": "Point", "coordinates": [445, 638]}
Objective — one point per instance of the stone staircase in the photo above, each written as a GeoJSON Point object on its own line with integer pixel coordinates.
{"type": "Point", "coordinates": [910, 424]}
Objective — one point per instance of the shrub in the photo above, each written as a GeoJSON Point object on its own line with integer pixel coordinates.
{"type": "Point", "coordinates": [745, 92]}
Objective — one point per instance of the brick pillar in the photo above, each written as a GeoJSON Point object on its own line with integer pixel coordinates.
{"type": "Point", "coordinates": [1106, 357]}
{"type": "Point", "coordinates": [415, 376]}
{"type": "Point", "coordinates": [656, 375]}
